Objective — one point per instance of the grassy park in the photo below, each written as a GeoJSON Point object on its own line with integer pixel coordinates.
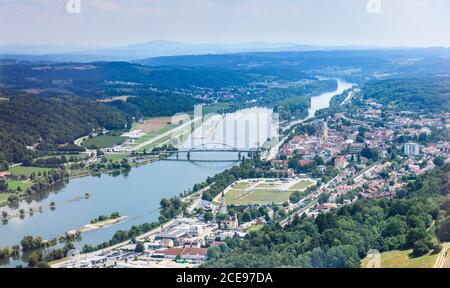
{"type": "Point", "coordinates": [27, 171]}
{"type": "Point", "coordinates": [17, 185]}
{"type": "Point", "coordinates": [116, 157]}
{"type": "Point", "coordinates": [244, 197]}
{"type": "Point", "coordinates": [103, 141]}
{"type": "Point", "coordinates": [262, 192]}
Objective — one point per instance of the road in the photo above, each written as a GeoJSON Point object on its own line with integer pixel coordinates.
{"type": "Point", "coordinates": [302, 210]}
{"type": "Point", "coordinates": [440, 262]}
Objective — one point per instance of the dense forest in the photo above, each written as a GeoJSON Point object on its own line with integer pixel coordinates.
{"type": "Point", "coordinates": [418, 94]}
{"type": "Point", "coordinates": [27, 120]}
{"type": "Point", "coordinates": [91, 80]}
{"type": "Point", "coordinates": [155, 104]}
{"type": "Point", "coordinates": [418, 218]}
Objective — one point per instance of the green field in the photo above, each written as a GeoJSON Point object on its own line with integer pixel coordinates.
{"type": "Point", "coordinates": [4, 197]}
{"type": "Point", "coordinates": [261, 197]}
{"type": "Point", "coordinates": [116, 156]}
{"type": "Point", "coordinates": [215, 108]}
{"type": "Point", "coordinates": [242, 185]}
{"type": "Point", "coordinates": [402, 259]}
{"type": "Point", "coordinates": [162, 141]}
{"type": "Point", "coordinates": [78, 156]}
{"type": "Point", "coordinates": [27, 171]}
{"type": "Point", "coordinates": [255, 228]}
{"type": "Point", "coordinates": [103, 141]}
{"type": "Point", "coordinates": [13, 185]}
{"type": "Point", "coordinates": [301, 185]}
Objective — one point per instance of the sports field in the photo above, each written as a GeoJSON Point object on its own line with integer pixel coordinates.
{"type": "Point", "coordinates": [263, 191]}
{"type": "Point", "coordinates": [261, 197]}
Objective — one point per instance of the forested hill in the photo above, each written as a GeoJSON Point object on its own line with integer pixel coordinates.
{"type": "Point", "coordinates": [93, 79]}
{"type": "Point", "coordinates": [26, 120]}
{"type": "Point", "coordinates": [418, 218]}
{"type": "Point", "coordinates": [411, 93]}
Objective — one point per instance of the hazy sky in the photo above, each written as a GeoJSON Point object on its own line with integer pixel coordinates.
{"type": "Point", "coordinates": [324, 22]}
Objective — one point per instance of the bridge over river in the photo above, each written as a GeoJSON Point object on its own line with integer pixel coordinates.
{"type": "Point", "coordinates": [209, 147]}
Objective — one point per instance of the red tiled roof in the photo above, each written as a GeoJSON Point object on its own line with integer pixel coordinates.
{"type": "Point", "coordinates": [4, 174]}
{"type": "Point", "coordinates": [304, 162]}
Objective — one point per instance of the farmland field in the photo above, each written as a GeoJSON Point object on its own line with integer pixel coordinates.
{"type": "Point", "coordinates": [14, 185]}
{"type": "Point", "coordinates": [116, 156]}
{"type": "Point", "coordinates": [103, 141]}
{"type": "Point", "coordinates": [27, 171]}
{"type": "Point", "coordinates": [152, 135]}
{"type": "Point", "coordinates": [153, 124]}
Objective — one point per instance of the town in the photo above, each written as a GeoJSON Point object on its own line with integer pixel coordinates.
{"type": "Point", "coordinates": [364, 151]}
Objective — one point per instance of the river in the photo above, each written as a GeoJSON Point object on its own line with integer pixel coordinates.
{"type": "Point", "coordinates": [137, 193]}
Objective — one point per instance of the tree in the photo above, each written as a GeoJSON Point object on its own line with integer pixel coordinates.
{"type": "Point", "coordinates": [3, 185]}
{"type": "Point", "coordinates": [369, 154]}
{"type": "Point", "coordinates": [208, 216]}
{"type": "Point", "coordinates": [34, 258]}
{"type": "Point", "coordinates": [213, 253]}
{"type": "Point", "coordinates": [420, 248]}
{"type": "Point", "coordinates": [443, 229]}
{"type": "Point", "coordinates": [439, 161]}
{"type": "Point", "coordinates": [323, 198]}
{"type": "Point", "coordinates": [394, 226]}
{"type": "Point", "coordinates": [139, 247]}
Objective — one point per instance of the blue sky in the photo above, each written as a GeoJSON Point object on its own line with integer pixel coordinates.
{"type": "Point", "coordinates": [319, 22]}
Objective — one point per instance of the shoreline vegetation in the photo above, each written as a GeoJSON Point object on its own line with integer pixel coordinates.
{"type": "Point", "coordinates": [100, 222]}
{"type": "Point", "coordinates": [170, 208]}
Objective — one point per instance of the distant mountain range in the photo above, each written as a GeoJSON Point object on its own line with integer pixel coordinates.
{"type": "Point", "coordinates": [148, 50]}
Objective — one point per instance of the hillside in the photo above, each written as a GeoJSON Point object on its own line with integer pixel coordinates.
{"type": "Point", "coordinates": [27, 120]}
{"type": "Point", "coordinates": [340, 239]}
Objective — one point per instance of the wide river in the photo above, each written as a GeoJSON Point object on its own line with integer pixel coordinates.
{"type": "Point", "coordinates": [137, 193]}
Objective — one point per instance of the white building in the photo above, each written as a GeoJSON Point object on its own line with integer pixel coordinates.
{"type": "Point", "coordinates": [411, 149]}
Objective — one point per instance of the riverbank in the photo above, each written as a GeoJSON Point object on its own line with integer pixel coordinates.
{"type": "Point", "coordinates": [97, 225]}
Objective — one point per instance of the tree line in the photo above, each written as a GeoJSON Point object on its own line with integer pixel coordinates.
{"type": "Point", "coordinates": [418, 218]}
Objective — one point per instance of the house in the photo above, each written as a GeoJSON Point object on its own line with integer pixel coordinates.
{"type": "Point", "coordinates": [305, 162]}
{"type": "Point", "coordinates": [355, 148]}
{"type": "Point", "coordinates": [4, 175]}
{"type": "Point", "coordinates": [231, 222]}
{"type": "Point", "coordinates": [327, 206]}
{"type": "Point", "coordinates": [166, 243]}
{"type": "Point", "coordinates": [340, 162]}
{"type": "Point", "coordinates": [217, 244]}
